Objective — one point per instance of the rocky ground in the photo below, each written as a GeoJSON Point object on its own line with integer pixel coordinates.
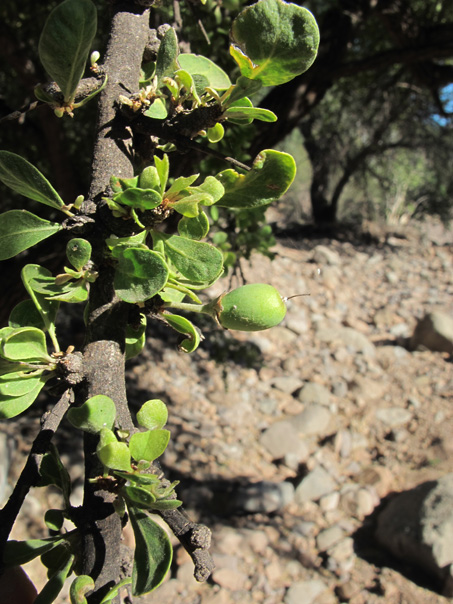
{"type": "Point", "coordinates": [289, 442]}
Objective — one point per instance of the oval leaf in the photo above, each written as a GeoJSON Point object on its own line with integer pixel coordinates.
{"type": "Point", "coordinates": [139, 275]}
{"type": "Point", "coordinates": [271, 175]}
{"type": "Point", "coordinates": [138, 496]}
{"type": "Point", "coordinates": [194, 228]}
{"type": "Point", "coordinates": [195, 260]}
{"type": "Point", "coordinates": [20, 552]}
{"type": "Point", "coordinates": [25, 344]}
{"type": "Point", "coordinates": [20, 230]}
{"type": "Point", "coordinates": [17, 384]}
{"type": "Point", "coordinates": [78, 252]}
{"type": "Point", "coordinates": [202, 66]}
{"type": "Point", "coordinates": [66, 41]}
{"type": "Point", "coordinates": [116, 456]}
{"type": "Point", "coordinates": [21, 176]}
{"type": "Point", "coordinates": [153, 414]}
{"type": "Point", "coordinates": [13, 406]}
{"type": "Point", "coordinates": [153, 553]}
{"type": "Point", "coordinates": [148, 445]}
{"type": "Point", "coordinates": [96, 413]}
{"type": "Point", "coordinates": [274, 41]}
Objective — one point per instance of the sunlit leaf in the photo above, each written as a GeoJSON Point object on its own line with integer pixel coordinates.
{"type": "Point", "coordinates": [153, 414]}
{"type": "Point", "coordinates": [78, 252]}
{"type": "Point", "coordinates": [153, 553]}
{"type": "Point", "coordinates": [166, 64]}
{"type": "Point", "coordinates": [183, 325]}
{"type": "Point", "coordinates": [271, 175]}
{"type": "Point", "coordinates": [195, 260]}
{"type": "Point", "coordinates": [149, 445]}
{"type": "Point", "coordinates": [194, 228]}
{"type": "Point", "coordinates": [65, 43]}
{"type": "Point", "coordinates": [197, 65]}
{"type": "Point", "coordinates": [139, 275]}
{"type": "Point", "coordinates": [17, 553]}
{"type": "Point", "coordinates": [274, 41]}
{"type": "Point", "coordinates": [20, 230]}
{"type": "Point", "coordinates": [96, 413]}
{"type": "Point", "coordinates": [135, 338]}
{"type": "Point", "coordinates": [25, 344]}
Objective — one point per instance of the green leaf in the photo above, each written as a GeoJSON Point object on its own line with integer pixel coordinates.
{"type": "Point", "coordinates": [48, 309]}
{"type": "Point", "coordinates": [195, 260]}
{"type": "Point", "coordinates": [153, 553]}
{"type": "Point", "coordinates": [115, 456]}
{"type": "Point", "coordinates": [197, 65]}
{"type": "Point", "coordinates": [53, 471]}
{"type": "Point", "coordinates": [96, 413]}
{"type": "Point", "coordinates": [153, 414]}
{"type": "Point", "coordinates": [242, 88]}
{"type": "Point", "coordinates": [248, 114]}
{"type": "Point", "coordinates": [114, 591]}
{"type": "Point", "coordinates": [79, 588]}
{"type": "Point", "coordinates": [139, 199]}
{"type": "Point", "coordinates": [166, 504]}
{"type": "Point", "coordinates": [274, 41]}
{"type": "Point", "coordinates": [157, 110]}
{"type": "Point", "coordinates": [53, 587]}
{"type": "Point", "coordinates": [17, 553]}
{"type": "Point", "coordinates": [194, 228]}
{"type": "Point", "coordinates": [54, 519]}
{"type": "Point", "coordinates": [78, 252]}
{"type": "Point", "coordinates": [66, 41]}
{"type": "Point", "coordinates": [148, 445]}
{"type": "Point", "coordinates": [139, 275]}
{"type": "Point", "coordinates": [138, 496]}
{"type": "Point", "coordinates": [180, 184]}
{"type": "Point", "coordinates": [21, 176]}
{"type": "Point", "coordinates": [212, 190]}
{"type": "Point", "coordinates": [271, 175]}
{"type": "Point", "coordinates": [140, 479]}
{"type": "Point", "coordinates": [135, 338]}
{"type": "Point", "coordinates": [149, 179]}
{"type": "Point", "coordinates": [183, 325]}
{"type": "Point", "coordinates": [25, 344]}
{"type": "Point", "coordinates": [132, 241]}
{"type": "Point", "coordinates": [163, 169]}
{"type": "Point", "coordinates": [25, 314]}
{"type": "Point", "coordinates": [20, 230]}
{"type": "Point", "coordinates": [166, 63]}
{"type": "Point", "coordinates": [18, 384]}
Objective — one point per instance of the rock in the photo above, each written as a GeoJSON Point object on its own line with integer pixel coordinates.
{"type": "Point", "coordinates": [393, 416]}
{"type": "Point", "coordinates": [316, 484]}
{"type": "Point", "coordinates": [314, 420]}
{"type": "Point", "coordinates": [329, 537]}
{"type": "Point", "coordinates": [324, 255]}
{"type": "Point", "coordinates": [304, 592]}
{"type": "Point", "coordinates": [417, 526]}
{"type": "Point", "coordinates": [353, 340]}
{"type": "Point", "coordinates": [263, 497]}
{"type": "Point", "coordinates": [281, 439]}
{"type": "Point", "coordinates": [358, 502]}
{"type": "Point", "coordinates": [229, 578]}
{"type": "Point", "coordinates": [434, 332]}
{"type": "Point", "coordinates": [314, 393]}
{"type": "Point", "coordinates": [287, 384]}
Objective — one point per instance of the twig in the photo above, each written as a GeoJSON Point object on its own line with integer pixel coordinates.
{"type": "Point", "coordinates": [30, 475]}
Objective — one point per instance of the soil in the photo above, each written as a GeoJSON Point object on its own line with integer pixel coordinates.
{"type": "Point", "coordinates": [223, 399]}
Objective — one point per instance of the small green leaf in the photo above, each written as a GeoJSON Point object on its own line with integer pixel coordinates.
{"type": "Point", "coordinates": [140, 479]}
{"type": "Point", "coordinates": [138, 496]}
{"type": "Point", "coordinates": [139, 199]}
{"type": "Point", "coordinates": [54, 519]}
{"type": "Point", "coordinates": [20, 230]}
{"type": "Point", "coordinates": [248, 114]}
{"type": "Point", "coordinates": [166, 504]}
{"type": "Point", "coordinates": [149, 179]}
{"type": "Point", "coordinates": [48, 309]}
{"type": "Point", "coordinates": [17, 553]}
{"type": "Point", "coordinates": [78, 252]}
{"type": "Point", "coordinates": [132, 241]}
{"type": "Point", "coordinates": [53, 471]}
{"type": "Point", "coordinates": [216, 133]}
{"type": "Point", "coordinates": [54, 585]}
{"type": "Point", "coordinates": [21, 176]}
{"type": "Point", "coordinates": [153, 414]}
{"type": "Point", "coordinates": [163, 169]}
{"type": "Point", "coordinates": [96, 413]}
{"type": "Point", "coordinates": [194, 228]}
{"type": "Point", "coordinates": [116, 456]}
{"type": "Point", "coordinates": [166, 63]}
{"type": "Point", "coordinates": [180, 184]}
{"type": "Point", "coordinates": [195, 260]}
{"type": "Point", "coordinates": [65, 43]}
{"type": "Point", "coordinates": [157, 110]}
{"type": "Point", "coordinates": [17, 384]}
{"type": "Point", "coordinates": [148, 445]}
{"type": "Point", "coordinates": [197, 65]}
{"type": "Point", "coordinates": [271, 175]}
{"type": "Point", "coordinates": [274, 41]}
{"type": "Point", "coordinates": [183, 325]}
{"type": "Point", "coordinates": [212, 188]}
{"type": "Point", "coordinates": [25, 344]}
{"type": "Point", "coordinates": [153, 553]}
{"type": "Point", "coordinates": [135, 338]}
{"type": "Point", "coordinates": [139, 275]}
{"type": "Point", "coordinates": [113, 593]}
{"type": "Point", "coordinates": [243, 87]}
{"type": "Point", "coordinates": [79, 588]}
{"type": "Point", "coordinates": [25, 314]}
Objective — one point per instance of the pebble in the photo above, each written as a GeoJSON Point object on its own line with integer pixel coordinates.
{"type": "Point", "coordinates": [315, 393]}
{"type": "Point", "coordinates": [313, 421]}
{"type": "Point", "coordinates": [393, 416]}
{"type": "Point", "coordinates": [329, 537]}
{"type": "Point", "coordinates": [316, 484]}
{"type": "Point", "coordinates": [304, 592]}
{"type": "Point", "coordinates": [282, 438]}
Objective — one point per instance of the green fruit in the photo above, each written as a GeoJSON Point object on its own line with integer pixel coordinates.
{"type": "Point", "coordinates": [251, 307]}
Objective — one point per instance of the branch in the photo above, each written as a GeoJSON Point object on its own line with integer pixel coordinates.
{"type": "Point", "coordinates": [30, 475]}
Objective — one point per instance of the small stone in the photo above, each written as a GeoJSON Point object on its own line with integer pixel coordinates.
{"type": "Point", "coordinates": [342, 550]}
{"type": "Point", "coordinates": [325, 255]}
{"type": "Point", "coordinates": [393, 416]}
{"type": "Point", "coordinates": [434, 332]}
{"type": "Point", "coordinates": [304, 592]}
{"type": "Point", "coordinates": [316, 484]}
{"type": "Point", "coordinates": [314, 393]}
{"type": "Point", "coordinates": [287, 384]}
{"type": "Point", "coordinates": [282, 438]}
{"type": "Point", "coordinates": [313, 421]}
{"type": "Point", "coordinates": [329, 503]}
{"type": "Point", "coordinates": [329, 537]}
{"type": "Point", "coordinates": [264, 497]}
{"type": "Point", "coordinates": [229, 578]}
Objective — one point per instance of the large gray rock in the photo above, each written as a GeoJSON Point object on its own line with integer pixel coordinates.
{"type": "Point", "coordinates": [417, 526]}
{"type": "Point", "coordinates": [435, 332]}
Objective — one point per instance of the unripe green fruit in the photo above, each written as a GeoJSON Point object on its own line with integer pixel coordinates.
{"type": "Point", "coordinates": [252, 307]}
